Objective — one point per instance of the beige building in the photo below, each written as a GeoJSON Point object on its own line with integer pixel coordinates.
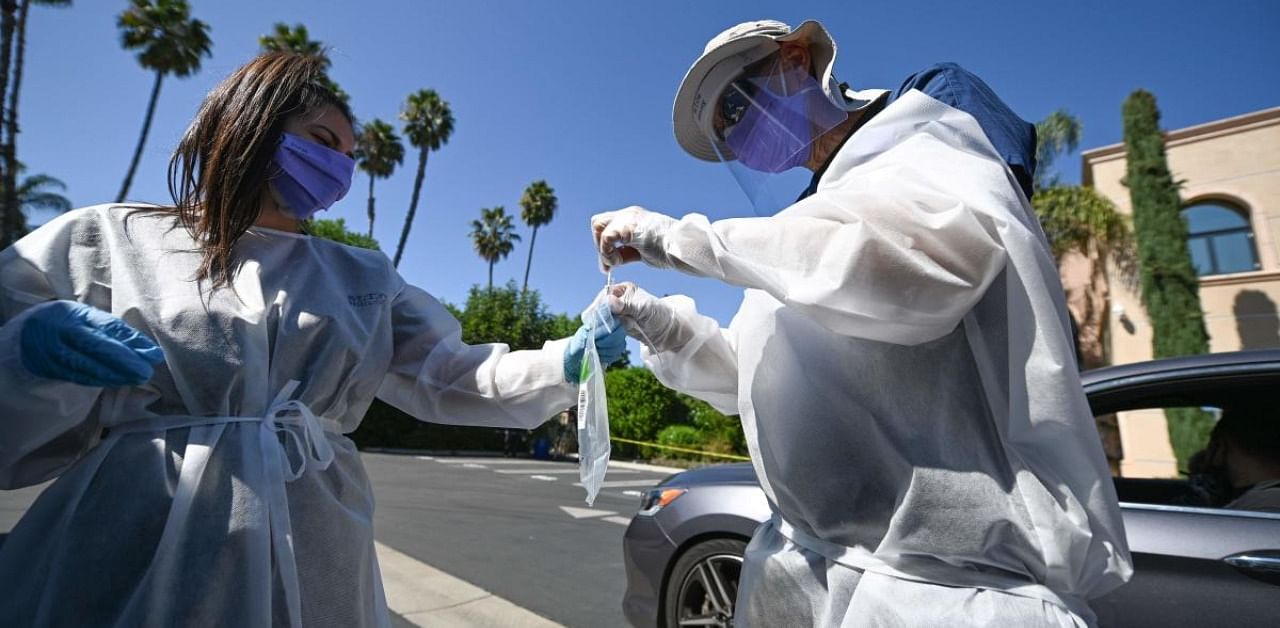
{"type": "Point", "coordinates": [1230, 171]}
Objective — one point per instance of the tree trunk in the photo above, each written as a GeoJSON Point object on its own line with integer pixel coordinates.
{"type": "Point", "coordinates": [1089, 304]}
{"type": "Point", "coordinates": [1094, 354]}
{"type": "Point", "coordinates": [11, 202]}
{"type": "Point", "coordinates": [529, 263]}
{"type": "Point", "coordinates": [142, 139]}
{"type": "Point", "coordinates": [370, 205]}
{"type": "Point", "coordinates": [8, 221]}
{"type": "Point", "coordinates": [491, 277]}
{"type": "Point", "coordinates": [413, 206]}
{"type": "Point", "coordinates": [1093, 316]}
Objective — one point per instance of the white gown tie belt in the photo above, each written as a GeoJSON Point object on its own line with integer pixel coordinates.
{"type": "Point", "coordinates": [291, 439]}
{"type": "Point", "coordinates": [310, 446]}
{"type": "Point", "coordinates": [862, 560]}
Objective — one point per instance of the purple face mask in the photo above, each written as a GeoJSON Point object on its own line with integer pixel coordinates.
{"type": "Point", "coordinates": [309, 177]}
{"type": "Point", "coordinates": [775, 132]}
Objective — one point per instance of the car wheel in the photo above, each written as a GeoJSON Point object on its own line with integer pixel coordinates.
{"type": "Point", "coordinates": [704, 584]}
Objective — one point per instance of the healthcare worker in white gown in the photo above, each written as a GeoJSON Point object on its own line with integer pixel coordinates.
{"type": "Point", "coordinates": [901, 361]}
{"type": "Point", "coordinates": [196, 427]}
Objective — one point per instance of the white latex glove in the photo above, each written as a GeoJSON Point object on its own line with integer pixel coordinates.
{"type": "Point", "coordinates": [647, 319]}
{"type": "Point", "coordinates": [631, 234]}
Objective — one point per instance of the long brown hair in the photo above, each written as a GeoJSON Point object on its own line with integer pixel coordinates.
{"type": "Point", "coordinates": [219, 171]}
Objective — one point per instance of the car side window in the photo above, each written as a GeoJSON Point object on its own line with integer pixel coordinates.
{"type": "Point", "coordinates": [1207, 457]}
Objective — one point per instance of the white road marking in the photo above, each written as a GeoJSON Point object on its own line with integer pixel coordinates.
{"type": "Point", "coordinates": [633, 493]}
{"type": "Point", "coordinates": [643, 467]}
{"type": "Point", "coordinates": [573, 471]}
{"type": "Point", "coordinates": [623, 521]}
{"type": "Point", "coordinates": [464, 461]}
{"type": "Point", "coordinates": [626, 483]}
{"type": "Point", "coordinates": [426, 596]}
{"type": "Point", "coordinates": [585, 513]}
{"type": "Point", "coordinates": [474, 466]}
{"type": "Point", "coordinates": [425, 458]}
{"type": "Point", "coordinates": [545, 478]}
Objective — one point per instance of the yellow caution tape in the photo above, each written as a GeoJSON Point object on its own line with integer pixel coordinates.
{"type": "Point", "coordinates": [688, 451]}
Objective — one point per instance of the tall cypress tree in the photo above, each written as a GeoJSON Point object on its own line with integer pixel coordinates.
{"type": "Point", "coordinates": [1170, 286]}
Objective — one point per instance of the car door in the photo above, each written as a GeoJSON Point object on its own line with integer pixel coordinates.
{"type": "Point", "coordinates": [1193, 565]}
{"type": "Point", "coordinates": [1197, 567]}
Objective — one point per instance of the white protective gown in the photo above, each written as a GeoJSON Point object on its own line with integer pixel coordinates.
{"type": "Point", "coordinates": [903, 369]}
{"type": "Point", "coordinates": [223, 492]}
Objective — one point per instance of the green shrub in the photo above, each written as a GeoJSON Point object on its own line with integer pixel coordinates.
{"type": "Point", "coordinates": [504, 314]}
{"type": "Point", "coordinates": [686, 436]}
{"type": "Point", "coordinates": [722, 434]}
{"type": "Point", "coordinates": [336, 230]}
{"type": "Point", "coordinates": [386, 426]}
{"type": "Point", "coordinates": [639, 407]}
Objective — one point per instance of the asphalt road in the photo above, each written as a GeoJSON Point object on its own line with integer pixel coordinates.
{"type": "Point", "coordinates": [505, 525]}
{"type": "Point", "coordinates": [499, 524]}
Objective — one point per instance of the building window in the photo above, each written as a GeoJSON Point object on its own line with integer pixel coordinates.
{"type": "Point", "coordinates": [1220, 239]}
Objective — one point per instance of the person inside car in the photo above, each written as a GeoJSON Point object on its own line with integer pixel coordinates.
{"type": "Point", "coordinates": [1240, 467]}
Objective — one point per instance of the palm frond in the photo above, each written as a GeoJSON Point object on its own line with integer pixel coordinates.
{"type": "Point", "coordinates": [428, 120]}
{"type": "Point", "coordinates": [167, 39]}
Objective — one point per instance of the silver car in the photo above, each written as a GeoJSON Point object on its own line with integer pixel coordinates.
{"type": "Point", "coordinates": [1194, 566]}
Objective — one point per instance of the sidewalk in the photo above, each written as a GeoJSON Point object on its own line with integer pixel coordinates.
{"type": "Point", "coordinates": [426, 596]}
{"type": "Point", "coordinates": [419, 593]}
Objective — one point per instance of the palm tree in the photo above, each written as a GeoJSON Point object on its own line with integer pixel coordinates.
{"type": "Point", "coordinates": [378, 152]}
{"type": "Point", "coordinates": [292, 39]}
{"type": "Point", "coordinates": [537, 208]}
{"type": "Point", "coordinates": [493, 236]}
{"type": "Point", "coordinates": [1058, 133]}
{"type": "Point", "coordinates": [295, 39]}
{"type": "Point", "coordinates": [11, 220]}
{"type": "Point", "coordinates": [168, 41]}
{"type": "Point", "coordinates": [428, 123]}
{"type": "Point", "coordinates": [1080, 222]}
{"type": "Point", "coordinates": [41, 192]}
{"type": "Point", "coordinates": [10, 159]}
{"type": "Point", "coordinates": [37, 193]}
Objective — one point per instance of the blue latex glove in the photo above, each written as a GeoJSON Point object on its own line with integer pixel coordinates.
{"type": "Point", "coordinates": [76, 343]}
{"type": "Point", "coordinates": [610, 345]}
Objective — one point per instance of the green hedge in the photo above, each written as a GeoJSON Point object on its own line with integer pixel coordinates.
{"type": "Point", "coordinates": [639, 405]}
{"type": "Point", "coordinates": [504, 314]}
{"type": "Point", "coordinates": [641, 408]}
{"type": "Point", "coordinates": [386, 426]}
{"type": "Point", "coordinates": [686, 436]}
{"type": "Point", "coordinates": [722, 434]}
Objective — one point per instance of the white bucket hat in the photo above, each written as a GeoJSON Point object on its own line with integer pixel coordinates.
{"type": "Point", "coordinates": [722, 62]}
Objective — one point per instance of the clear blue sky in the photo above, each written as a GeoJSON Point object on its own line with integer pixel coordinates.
{"type": "Point", "coordinates": [579, 93]}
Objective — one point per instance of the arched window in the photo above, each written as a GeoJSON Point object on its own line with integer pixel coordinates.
{"type": "Point", "coordinates": [1220, 238]}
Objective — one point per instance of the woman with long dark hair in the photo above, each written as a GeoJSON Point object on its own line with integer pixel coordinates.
{"type": "Point", "coordinates": [188, 372]}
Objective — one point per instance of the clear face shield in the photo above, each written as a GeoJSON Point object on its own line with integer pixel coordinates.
{"type": "Point", "coordinates": [764, 126]}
